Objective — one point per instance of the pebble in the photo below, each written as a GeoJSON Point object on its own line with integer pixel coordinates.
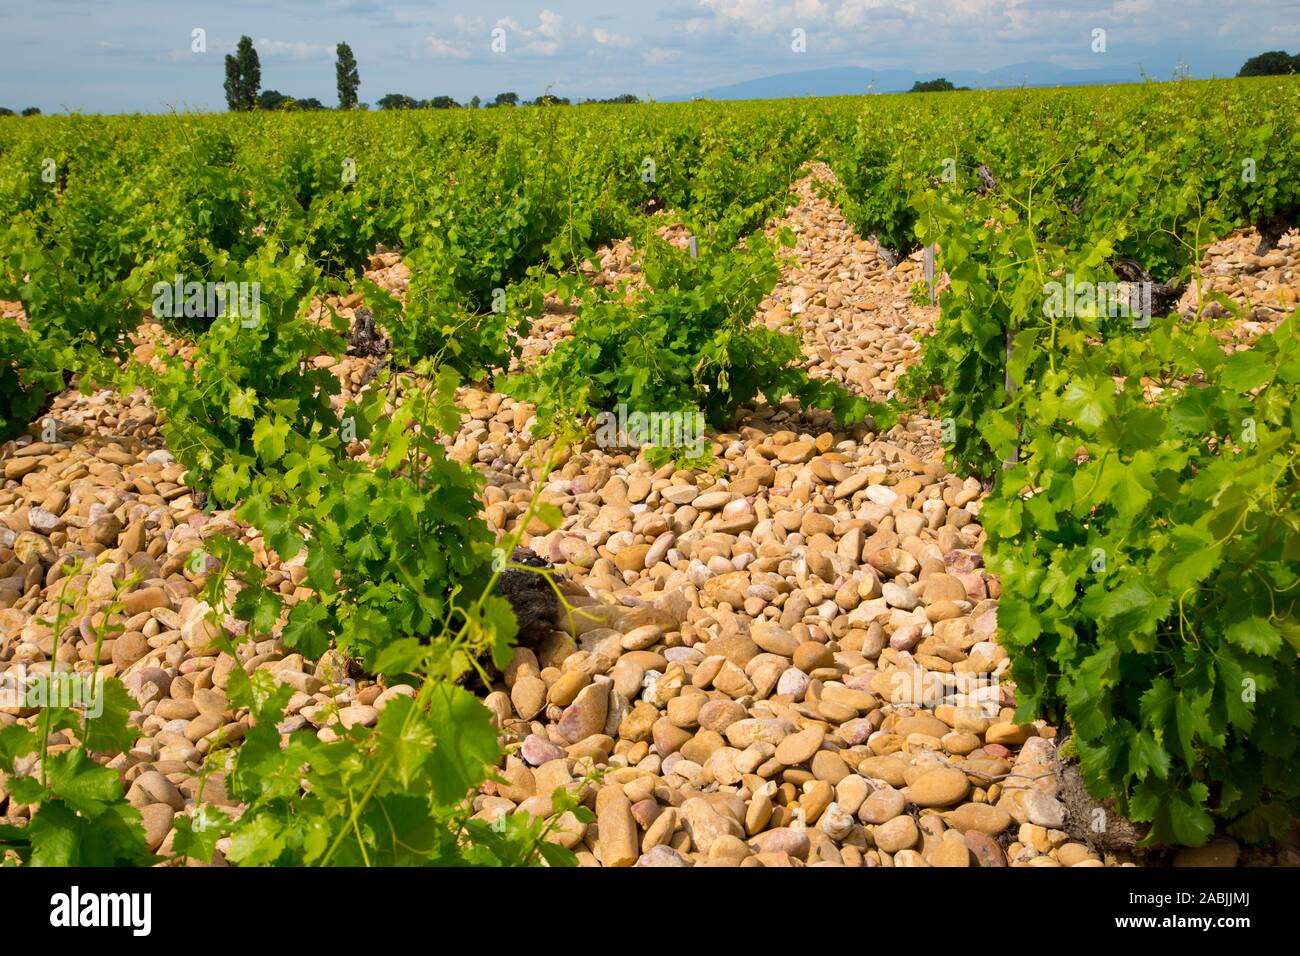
{"type": "Point", "coordinates": [942, 787]}
{"type": "Point", "coordinates": [798, 748]}
{"type": "Point", "coordinates": [897, 834]}
{"type": "Point", "coordinates": [618, 830]}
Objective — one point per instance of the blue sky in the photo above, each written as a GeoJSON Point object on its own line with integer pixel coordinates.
{"type": "Point", "coordinates": [135, 55]}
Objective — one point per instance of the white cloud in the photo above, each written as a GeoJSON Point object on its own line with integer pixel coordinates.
{"type": "Point", "coordinates": [549, 23]}
{"type": "Point", "coordinates": [437, 46]}
{"type": "Point", "coordinates": [756, 14]}
{"type": "Point", "coordinates": [656, 56]}
{"type": "Point", "coordinates": [609, 37]}
{"type": "Point", "coordinates": [854, 13]}
{"type": "Point", "coordinates": [1131, 8]}
{"type": "Point", "coordinates": [293, 49]}
{"type": "Point", "coordinates": [543, 39]}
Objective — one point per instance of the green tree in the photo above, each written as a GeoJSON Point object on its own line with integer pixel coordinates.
{"type": "Point", "coordinates": [397, 101]}
{"type": "Point", "coordinates": [243, 76]}
{"type": "Point", "coordinates": [505, 99]}
{"type": "Point", "coordinates": [474, 102]}
{"type": "Point", "coordinates": [442, 103]}
{"type": "Point", "coordinates": [32, 111]}
{"type": "Point", "coordinates": [274, 100]}
{"type": "Point", "coordinates": [941, 85]}
{"type": "Point", "coordinates": [345, 70]}
{"type": "Point", "coordinates": [1273, 63]}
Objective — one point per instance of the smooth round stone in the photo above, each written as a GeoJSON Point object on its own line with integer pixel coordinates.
{"type": "Point", "coordinates": [978, 816]}
{"type": "Point", "coordinates": [830, 766]}
{"type": "Point", "coordinates": [1009, 733]}
{"type": "Point", "coordinates": [811, 655]}
{"type": "Point", "coordinates": [921, 724]}
{"type": "Point", "coordinates": [711, 500]}
{"type": "Point", "coordinates": [661, 855]}
{"type": "Point", "coordinates": [537, 750]}
{"type": "Point", "coordinates": [792, 683]}
{"type": "Point", "coordinates": [941, 787]}
{"type": "Point", "coordinates": [836, 822]}
{"type": "Point", "coordinates": [959, 743]}
{"type": "Point", "coordinates": [799, 747]}
{"type": "Point", "coordinates": [683, 655]}
{"type": "Point", "coordinates": [986, 850]}
{"type": "Point", "coordinates": [528, 696]}
{"type": "Point", "coordinates": [774, 639]}
{"type": "Point", "coordinates": [157, 819]}
{"type": "Point", "coordinates": [899, 596]}
{"type": "Point", "coordinates": [1073, 853]}
{"type": "Point", "coordinates": [855, 732]}
{"type": "Point", "coordinates": [782, 840]}
{"type": "Point", "coordinates": [951, 851]}
{"type": "Point", "coordinates": [882, 805]}
{"type": "Point", "coordinates": [890, 769]}
{"type": "Point", "coordinates": [898, 834]}
{"type": "Point", "coordinates": [1044, 810]}
{"type": "Point", "coordinates": [640, 638]}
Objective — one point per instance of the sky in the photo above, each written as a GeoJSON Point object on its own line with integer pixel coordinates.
{"type": "Point", "coordinates": [145, 56]}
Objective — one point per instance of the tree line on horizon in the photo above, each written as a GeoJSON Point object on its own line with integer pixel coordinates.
{"type": "Point", "coordinates": [244, 80]}
{"type": "Point", "coordinates": [1273, 63]}
{"type": "Point", "coordinates": [941, 85]}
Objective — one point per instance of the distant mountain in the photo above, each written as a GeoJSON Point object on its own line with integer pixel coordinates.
{"type": "Point", "coordinates": [854, 80]}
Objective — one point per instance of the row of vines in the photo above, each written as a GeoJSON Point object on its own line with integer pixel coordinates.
{"type": "Point", "coordinates": [1144, 473]}
{"type": "Point", "coordinates": [1107, 445]}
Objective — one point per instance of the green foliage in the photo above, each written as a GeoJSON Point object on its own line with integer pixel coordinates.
{"type": "Point", "coordinates": [397, 101]}
{"type": "Point", "coordinates": [243, 77]}
{"type": "Point", "coordinates": [391, 795]}
{"type": "Point", "coordinates": [1149, 589]}
{"type": "Point", "coordinates": [1273, 63]}
{"type": "Point", "coordinates": [399, 563]}
{"type": "Point", "coordinates": [275, 100]}
{"type": "Point", "coordinates": [941, 85]}
{"type": "Point", "coordinates": [80, 814]}
{"type": "Point", "coordinates": [347, 77]}
{"type": "Point", "coordinates": [685, 344]}
{"type": "Point", "coordinates": [31, 372]}
{"type": "Point", "coordinates": [1142, 516]}
{"type": "Point", "coordinates": [232, 408]}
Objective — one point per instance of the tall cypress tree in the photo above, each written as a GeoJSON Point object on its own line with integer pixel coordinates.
{"type": "Point", "coordinates": [232, 83]}
{"type": "Point", "coordinates": [243, 76]}
{"type": "Point", "coordinates": [345, 69]}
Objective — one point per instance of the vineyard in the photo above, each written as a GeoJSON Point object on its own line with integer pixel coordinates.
{"type": "Point", "coordinates": [885, 481]}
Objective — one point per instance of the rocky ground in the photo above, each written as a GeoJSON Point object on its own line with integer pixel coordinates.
{"type": "Point", "coordinates": [790, 659]}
